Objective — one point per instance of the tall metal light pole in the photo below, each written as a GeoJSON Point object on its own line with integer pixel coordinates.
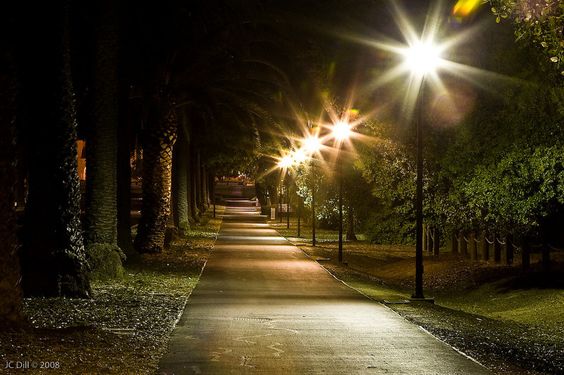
{"type": "Point", "coordinates": [340, 211]}
{"type": "Point", "coordinates": [299, 234]}
{"type": "Point", "coordinates": [422, 57]}
{"type": "Point", "coordinates": [284, 164]}
{"type": "Point", "coordinates": [313, 186]}
{"type": "Point", "coordinates": [341, 132]}
{"type": "Point", "coordinates": [419, 200]}
{"type": "Point", "coordinates": [311, 146]}
{"type": "Point", "coordinates": [287, 201]}
{"type": "Point", "coordinates": [280, 202]}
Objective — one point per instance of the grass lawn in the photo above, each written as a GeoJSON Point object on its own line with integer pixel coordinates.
{"type": "Point", "coordinates": [487, 289]}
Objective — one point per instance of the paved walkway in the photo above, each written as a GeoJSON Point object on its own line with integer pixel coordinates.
{"type": "Point", "coordinates": [262, 306]}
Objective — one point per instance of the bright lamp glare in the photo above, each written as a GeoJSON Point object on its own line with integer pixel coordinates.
{"type": "Point", "coordinates": [286, 162]}
{"type": "Point", "coordinates": [422, 57]}
{"type": "Point", "coordinates": [299, 156]}
{"type": "Point", "coordinates": [311, 145]}
{"type": "Point", "coordinates": [341, 130]}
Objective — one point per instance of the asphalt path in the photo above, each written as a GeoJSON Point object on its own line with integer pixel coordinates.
{"type": "Point", "coordinates": [262, 306]}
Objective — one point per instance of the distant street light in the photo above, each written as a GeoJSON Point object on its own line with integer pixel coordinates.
{"type": "Point", "coordinates": [300, 157]}
{"type": "Point", "coordinates": [311, 145]}
{"type": "Point", "coordinates": [341, 131]}
{"type": "Point", "coordinates": [421, 58]}
{"type": "Point", "coordinates": [284, 164]}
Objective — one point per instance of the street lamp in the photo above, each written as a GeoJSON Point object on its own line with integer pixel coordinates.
{"type": "Point", "coordinates": [341, 131]}
{"type": "Point", "coordinates": [284, 164]}
{"type": "Point", "coordinates": [421, 58]}
{"type": "Point", "coordinates": [300, 157]}
{"type": "Point", "coordinates": [311, 145]}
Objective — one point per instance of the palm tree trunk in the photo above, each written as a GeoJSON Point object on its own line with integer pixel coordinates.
{"type": "Point", "coordinates": [180, 184]}
{"type": "Point", "coordinates": [102, 148]}
{"type": "Point", "coordinates": [160, 137]}
{"type": "Point", "coordinates": [10, 288]}
{"type": "Point", "coordinates": [205, 195]}
{"type": "Point", "coordinates": [124, 152]}
{"type": "Point", "coordinates": [193, 184]}
{"type": "Point", "coordinates": [53, 255]}
{"type": "Point", "coordinates": [191, 208]}
{"type": "Point", "coordinates": [199, 190]}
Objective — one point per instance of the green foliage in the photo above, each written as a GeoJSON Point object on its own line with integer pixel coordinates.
{"type": "Point", "coordinates": [384, 226]}
{"type": "Point", "coordinates": [326, 190]}
{"type": "Point", "coordinates": [519, 190]}
{"type": "Point", "coordinates": [105, 261]}
{"type": "Point", "coordinates": [539, 23]}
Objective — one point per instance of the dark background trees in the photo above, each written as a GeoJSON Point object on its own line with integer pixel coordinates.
{"type": "Point", "coordinates": [10, 286]}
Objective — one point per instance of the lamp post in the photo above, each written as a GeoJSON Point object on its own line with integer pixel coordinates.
{"type": "Point", "coordinates": [341, 132]}
{"type": "Point", "coordinates": [284, 164]}
{"type": "Point", "coordinates": [313, 217]}
{"type": "Point", "coordinates": [422, 58]}
{"type": "Point", "coordinates": [287, 201]}
{"type": "Point", "coordinates": [280, 201]}
{"type": "Point", "coordinates": [299, 234]}
{"type": "Point", "coordinates": [299, 157]}
{"type": "Point", "coordinates": [312, 145]}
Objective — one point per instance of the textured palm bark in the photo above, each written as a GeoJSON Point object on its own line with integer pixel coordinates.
{"type": "Point", "coordinates": [158, 145]}
{"type": "Point", "coordinates": [199, 190]}
{"type": "Point", "coordinates": [53, 255]}
{"type": "Point", "coordinates": [211, 186]}
{"type": "Point", "coordinates": [180, 184]}
{"type": "Point", "coordinates": [102, 142]}
{"type": "Point", "coordinates": [10, 288]}
{"type": "Point", "coordinates": [190, 189]}
{"type": "Point", "coordinates": [193, 202]}
{"type": "Point", "coordinates": [125, 133]}
{"type": "Point", "coordinates": [205, 188]}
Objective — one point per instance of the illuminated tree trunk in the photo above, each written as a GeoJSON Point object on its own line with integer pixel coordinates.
{"type": "Point", "coordinates": [53, 255]}
{"type": "Point", "coordinates": [180, 181]}
{"type": "Point", "coordinates": [193, 185]}
{"type": "Point", "coordinates": [102, 147]}
{"type": "Point", "coordinates": [10, 288]}
{"type": "Point", "coordinates": [205, 190]}
{"type": "Point", "coordinates": [125, 149]}
{"type": "Point", "coordinates": [199, 190]}
{"type": "Point", "coordinates": [191, 205]}
{"type": "Point", "coordinates": [158, 145]}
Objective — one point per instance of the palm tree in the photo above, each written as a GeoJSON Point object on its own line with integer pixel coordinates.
{"type": "Point", "coordinates": [102, 146]}
{"type": "Point", "coordinates": [10, 288]}
{"type": "Point", "coordinates": [159, 139]}
{"type": "Point", "coordinates": [53, 255]}
{"type": "Point", "coordinates": [180, 179]}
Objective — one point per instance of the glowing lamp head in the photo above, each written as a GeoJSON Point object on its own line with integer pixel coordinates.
{"type": "Point", "coordinates": [422, 57]}
{"type": "Point", "coordinates": [286, 162]}
{"type": "Point", "coordinates": [299, 156]}
{"type": "Point", "coordinates": [311, 145]}
{"type": "Point", "coordinates": [341, 130]}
